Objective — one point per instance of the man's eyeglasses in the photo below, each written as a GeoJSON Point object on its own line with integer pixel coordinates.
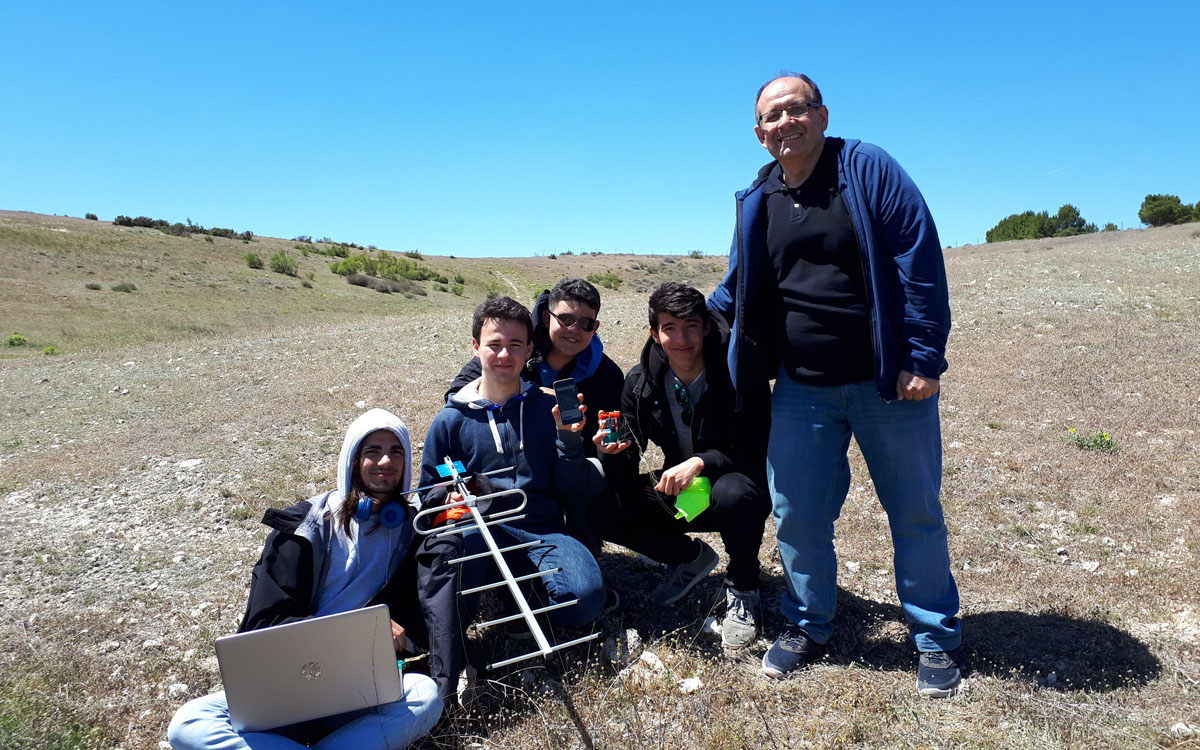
{"type": "Point", "coordinates": [587, 325]}
{"type": "Point", "coordinates": [796, 111]}
{"type": "Point", "coordinates": [684, 399]}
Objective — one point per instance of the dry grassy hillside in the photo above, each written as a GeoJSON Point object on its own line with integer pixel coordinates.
{"type": "Point", "coordinates": [136, 460]}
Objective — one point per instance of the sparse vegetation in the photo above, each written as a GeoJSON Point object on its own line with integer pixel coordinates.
{"type": "Point", "coordinates": [458, 289]}
{"type": "Point", "coordinates": [94, 286]}
{"type": "Point", "coordinates": [124, 286]}
{"type": "Point", "coordinates": [1031, 226]}
{"type": "Point", "coordinates": [180, 229]}
{"type": "Point", "coordinates": [608, 280]}
{"type": "Point", "coordinates": [1097, 441]}
{"type": "Point", "coordinates": [493, 289]}
{"type": "Point", "coordinates": [1078, 610]}
{"type": "Point", "coordinates": [282, 262]}
{"type": "Point", "coordinates": [253, 260]}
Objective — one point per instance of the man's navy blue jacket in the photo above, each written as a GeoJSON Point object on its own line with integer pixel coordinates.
{"type": "Point", "coordinates": [902, 265]}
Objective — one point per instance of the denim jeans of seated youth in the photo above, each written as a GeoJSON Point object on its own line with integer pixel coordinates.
{"type": "Point", "coordinates": [809, 475]}
{"type": "Point", "coordinates": [578, 579]}
{"type": "Point", "coordinates": [204, 724]}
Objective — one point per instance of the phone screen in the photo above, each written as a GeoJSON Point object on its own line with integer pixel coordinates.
{"type": "Point", "coordinates": [568, 401]}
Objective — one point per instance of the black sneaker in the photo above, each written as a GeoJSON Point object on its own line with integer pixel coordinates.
{"type": "Point", "coordinates": [789, 652]}
{"type": "Point", "coordinates": [937, 675]}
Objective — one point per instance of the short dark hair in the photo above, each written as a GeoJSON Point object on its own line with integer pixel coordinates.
{"type": "Point", "coordinates": [501, 308]}
{"type": "Point", "coordinates": [677, 299]}
{"type": "Point", "coordinates": [816, 91]}
{"type": "Point", "coordinates": [576, 290]}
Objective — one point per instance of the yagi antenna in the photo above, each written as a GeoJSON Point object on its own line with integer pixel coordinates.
{"type": "Point", "coordinates": [475, 519]}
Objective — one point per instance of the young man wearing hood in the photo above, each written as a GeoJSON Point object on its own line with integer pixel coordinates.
{"type": "Point", "coordinates": [680, 397]}
{"type": "Point", "coordinates": [344, 549]}
{"type": "Point", "coordinates": [501, 421]}
{"type": "Point", "coordinates": [565, 345]}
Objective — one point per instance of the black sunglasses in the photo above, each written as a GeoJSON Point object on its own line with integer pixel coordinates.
{"type": "Point", "coordinates": [684, 399]}
{"type": "Point", "coordinates": [587, 325]}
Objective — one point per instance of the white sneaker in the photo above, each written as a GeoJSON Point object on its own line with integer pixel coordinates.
{"type": "Point", "coordinates": [468, 686]}
{"type": "Point", "coordinates": [740, 626]}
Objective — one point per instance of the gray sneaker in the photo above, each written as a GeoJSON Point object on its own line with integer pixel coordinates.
{"type": "Point", "coordinates": [679, 579]}
{"type": "Point", "coordinates": [740, 626]}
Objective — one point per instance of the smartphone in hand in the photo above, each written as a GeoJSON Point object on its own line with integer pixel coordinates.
{"type": "Point", "coordinates": [568, 401]}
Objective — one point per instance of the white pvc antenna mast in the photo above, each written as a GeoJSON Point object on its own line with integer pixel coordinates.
{"type": "Point", "coordinates": [477, 520]}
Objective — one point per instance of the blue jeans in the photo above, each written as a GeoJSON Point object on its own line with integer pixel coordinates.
{"type": "Point", "coordinates": [579, 578]}
{"type": "Point", "coordinates": [808, 473]}
{"type": "Point", "coordinates": [203, 724]}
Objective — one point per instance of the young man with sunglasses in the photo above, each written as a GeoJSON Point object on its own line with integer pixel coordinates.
{"type": "Point", "coordinates": [679, 397]}
{"type": "Point", "coordinates": [837, 289]}
{"type": "Point", "coordinates": [565, 345]}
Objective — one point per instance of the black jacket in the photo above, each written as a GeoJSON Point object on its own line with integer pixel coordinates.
{"type": "Point", "coordinates": [601, 390]}
{"type": "Point", "coordinates": [725, 440]}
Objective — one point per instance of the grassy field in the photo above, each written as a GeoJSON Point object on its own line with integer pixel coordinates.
{"type": "Point", "coordinates": [136, 459]}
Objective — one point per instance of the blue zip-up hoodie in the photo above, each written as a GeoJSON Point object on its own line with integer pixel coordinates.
{"type": "Point", "coordinates": [902, 266]}
{"type": "Point", "coordinates": [520, 434]}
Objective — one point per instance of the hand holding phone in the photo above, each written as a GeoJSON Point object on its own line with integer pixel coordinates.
{"type": "Point", "coordinates": [568, 401]}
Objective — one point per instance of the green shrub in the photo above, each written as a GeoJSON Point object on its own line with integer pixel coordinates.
{"type": "Point", "coordinates": [458, 289]}
{"type": "Point", "coordinates": [48, 351]}
{"type": "Point", "coordinates": [696, 254]}
{"type": "Point", "coordinates": [1100, 441]}
{"type": "Point", "coordinates": [123, 286]}
{"type": "Point", "coordinates": [306, 284]}
{"type": "Point", "coordinates": [492, 289]}
{"type": "Point", "coordinates": [552, 256]}
{"type": "Point", "coordinates": [17, 339]}
{"type": "Point", "coordinates": [253, 260]}
{"type": "Point", "coordinates": [608, 279]}
{"type": "Point", "coordinates": [414, 254]}
{"type": "Point", "coordinates": [93, 286]}
{"type": "Point", "coordinates": [442, 288]}
{"type": "Point", "coordinates": [283, 263]}
{"type": "Point", "coordinates": [459, 279]}
{"type": "Point", "coordinates": [208, 238]}
{"type": "Point", "coordinates": [91, 217]}
{"type": "Point", "coordinates": [1110, 227]}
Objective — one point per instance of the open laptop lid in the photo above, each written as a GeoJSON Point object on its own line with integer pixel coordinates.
{"type": "Point", "coordinates": [309, 669]}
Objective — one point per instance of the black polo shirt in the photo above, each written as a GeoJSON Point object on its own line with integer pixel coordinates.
{"type": "Point", "coordinates": [824, 322]}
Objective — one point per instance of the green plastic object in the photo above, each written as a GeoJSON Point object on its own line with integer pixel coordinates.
{"type": "Point", "coordinates": [694, 499]}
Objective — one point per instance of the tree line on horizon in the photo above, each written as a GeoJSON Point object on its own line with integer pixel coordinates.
{"type": "Point", "coordinates": [1156, 211]}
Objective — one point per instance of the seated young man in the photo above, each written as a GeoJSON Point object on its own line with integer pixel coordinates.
{"type": "Point", "coordinates": [341, 550]}
{"type": "Point", "coordinates": [500, 421]}
{"type": "Point", "coordinates": [565, 345]}
{"type": "Point", "coordinates": [680, 397]}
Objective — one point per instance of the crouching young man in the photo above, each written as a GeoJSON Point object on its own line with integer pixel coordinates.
{"type": "Point", "coordinates": [499, 421]}
{"type": "Point", "coordinates": [680, 398]}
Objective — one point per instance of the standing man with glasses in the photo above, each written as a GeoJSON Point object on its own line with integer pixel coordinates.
{"type": "Point", "coordinates": [836, 289]}
{"type": "Point", "coordinates": [679, 397]}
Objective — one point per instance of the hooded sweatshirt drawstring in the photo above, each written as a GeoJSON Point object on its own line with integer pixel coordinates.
{"type": "Point", "coordinates": [495, 432]}
{"type": "Point", "coordinates": [469, 397]}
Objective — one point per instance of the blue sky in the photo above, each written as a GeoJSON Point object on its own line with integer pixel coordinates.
{"type": "Point", "coordinates": [518, 128]}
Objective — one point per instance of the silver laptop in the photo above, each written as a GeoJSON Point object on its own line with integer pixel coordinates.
{"type": "Point", "coordinates": [309, 669]}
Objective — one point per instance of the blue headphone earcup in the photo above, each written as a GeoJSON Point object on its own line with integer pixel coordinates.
{"type": "Point", "coordinates": [391, 515]}
{"type": "Point", "coordinates": [363, 512]}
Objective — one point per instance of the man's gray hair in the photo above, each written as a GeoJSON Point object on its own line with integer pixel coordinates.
{"type": "Point", "coordinates": [788, 74]}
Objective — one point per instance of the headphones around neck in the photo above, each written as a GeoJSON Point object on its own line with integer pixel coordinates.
{"type": "Point", "coordinates": [391, 514]}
